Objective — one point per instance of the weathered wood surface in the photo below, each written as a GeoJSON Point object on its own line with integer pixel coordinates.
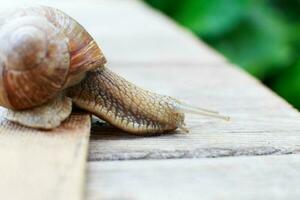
{"type": "Point", "coordinates": [153, 52]}
{"type": "Point", "coordinates": [159, 56]}
{"type": "Point", "coordinates": [235, 178]}
{"type": "Point", "coordinates": [44, 165]}
{"type": "Point", "coordinates": [261, 123]}
{"type": "Point", "coordinates": [170, 61]}
{"type": "Point", "coordinates": [39, 164]}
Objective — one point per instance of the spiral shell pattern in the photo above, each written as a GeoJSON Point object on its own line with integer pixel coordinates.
{"type": "Point", "coordinates": [42, 52]}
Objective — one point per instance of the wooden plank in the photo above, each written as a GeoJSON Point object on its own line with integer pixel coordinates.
{"type": "Point", "coordinates": [261, 123]}
{"type": "Point", "coordinates": [247, 178]}
{"type": "Point", "coordinates": [38, 164]}
{"type": "Point", "coordinates": [151, 51]}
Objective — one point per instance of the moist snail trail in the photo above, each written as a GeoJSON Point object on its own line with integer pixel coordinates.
{"type": "Point", "coordinates": [48, 60]}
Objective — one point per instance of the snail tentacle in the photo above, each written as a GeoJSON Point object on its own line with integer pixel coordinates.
{"type": "Point", "coordinates": [186, 108]}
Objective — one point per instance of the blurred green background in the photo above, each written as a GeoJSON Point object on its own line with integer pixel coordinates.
{"type": "Point", "coordinates": [261, 36]}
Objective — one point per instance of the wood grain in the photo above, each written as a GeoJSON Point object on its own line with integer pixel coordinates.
{"type": "Point", "coordinates": [153, 52]}
{"type": "Point", "coordinates": [235, 178]}
{"type": "Point", "coordinates": [158, 55]}
{"type": "Point", "coordinates": [261, 123]}
{"type": "Point", "coordinates": [38, 164]}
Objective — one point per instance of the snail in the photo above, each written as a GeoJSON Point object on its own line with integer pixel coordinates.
{"type": "Point", "coordinates": [48, 62]}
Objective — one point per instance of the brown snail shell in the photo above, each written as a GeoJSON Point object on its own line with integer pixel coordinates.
{"type": "Point", "coordinates": [42, 51]}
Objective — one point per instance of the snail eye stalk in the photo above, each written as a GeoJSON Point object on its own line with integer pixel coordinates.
{"type": "Point", "coordinates": [186, 108]}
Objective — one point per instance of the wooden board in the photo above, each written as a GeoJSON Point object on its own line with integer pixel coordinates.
{"type": "Point", "coordinates": [44, 165]}
{"type": "Point", "coordinates": [247, 178]}
{"type": "Point", "coordinates": [261, 122]}
{"type": "Point", "coordinates": [38, 164]}
{"type": "Point", "coordinates": [158, 55]}
{"type": "Point", "coordinates": [150, 50]}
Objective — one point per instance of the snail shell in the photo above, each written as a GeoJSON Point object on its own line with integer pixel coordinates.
{"type": "Point", "coordinates": [42, 52]}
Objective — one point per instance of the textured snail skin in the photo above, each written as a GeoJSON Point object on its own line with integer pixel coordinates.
{"type": "Point", "coordinates": [124, 105]}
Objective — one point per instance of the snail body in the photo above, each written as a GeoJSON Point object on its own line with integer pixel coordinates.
{"type": "Point", "coordinates": [48, 60]}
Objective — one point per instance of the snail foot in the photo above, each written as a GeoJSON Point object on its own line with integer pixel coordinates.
{"type": "Point", "coordinates": [46, 116]}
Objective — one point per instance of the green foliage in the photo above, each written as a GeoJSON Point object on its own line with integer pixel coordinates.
{"type": "Point", "coordinates": [262, 36]}
{"type": "Point", "coordinates": [211, 18]}
{"type": "Point", "coordinates": [287, 85]}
